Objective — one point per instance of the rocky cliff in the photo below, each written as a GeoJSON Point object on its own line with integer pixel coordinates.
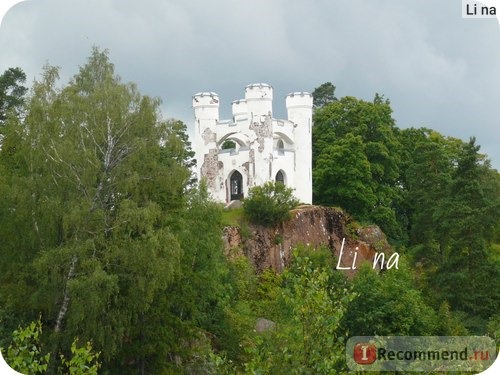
{"type": "Point", "coordinates": [313, 226]}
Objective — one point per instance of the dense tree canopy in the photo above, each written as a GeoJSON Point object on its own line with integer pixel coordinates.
{"type": "Point", "coordinates": [436, 195]}
{"type": "Point", "coordinates": [356, 154]}
{"type": "Point", "coordinates": [106, 241]}
{"type": "Point", "coordinates": [102, 180]}
{"type": "Point", "coordinates": [455, 220]}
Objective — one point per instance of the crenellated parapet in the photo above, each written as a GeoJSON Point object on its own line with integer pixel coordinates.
{"type": "Point", "coordinates": [206, 106]}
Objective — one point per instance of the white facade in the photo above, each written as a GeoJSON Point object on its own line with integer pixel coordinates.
{"type": "Point", "coordinates": [267, 149]}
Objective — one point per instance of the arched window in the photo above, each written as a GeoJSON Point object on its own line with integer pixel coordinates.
{"type": "Point", "coordinates": [236, 186]}
{"type": "Point", "coordinates": [280, 177]}
{"type": "Point", "coordinates": [281, 147]}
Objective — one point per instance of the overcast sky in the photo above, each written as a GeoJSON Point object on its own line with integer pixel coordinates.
{"type": "Point", "coordinates": [438, 69]}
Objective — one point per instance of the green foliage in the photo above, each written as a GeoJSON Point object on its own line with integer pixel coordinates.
{"type": "Point", "coordinates": [228, 144]}
{"type": "Point", "coordinates": [323, 95]}
{"type": "Point", "coordinates": [340, 177]}
{"type": "Point", "coordinates": [233, 217]}
{"type": "Point", "coordinates": [493, 328]}
{"type": "Point", "coordinates": [241, 311]}
{"type": "Point", "coordinates": [388, 304]}
{"type": "Point", "coordinates": [448, 323]}
{"type": "Point", "coordinates": [24, 354]}
{"type": "Point", "coordinates": [267, 293]}
{"type": "Point", "coordinates": [220, 365]}
{"type": "Point", "coordinates": [352, 229]}
{"type": "Point", "coordinates": [308, 337]}
{"type": "Point", "coordinates": [83, 360]}
{"type": "Point", "coordinates": [435, 194]}
{"type": "Point", "coordinates": [12, 91]}
{"type": "Point", "coordinates": [103, 231]}
{"type": "Point", "coordinates": [93, 181]}
{"type": "Point", "coordinates": [356, 157]}
{"type": "Point", "coordinates": [427, 166]}
{"type": "Point", "coordinates": [177, 153]}
{"type": "Point", "coordinates": [191, 311]}
{"type": "Point", "coordinates": [269, 204]}
{"type": "Point", "coordinates": [452, 213]}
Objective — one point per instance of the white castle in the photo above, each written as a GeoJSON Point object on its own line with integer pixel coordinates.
{"type": "Point", "coordinates": [253, 147]}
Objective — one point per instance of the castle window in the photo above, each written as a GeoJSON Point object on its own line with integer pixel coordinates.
{"type": "Point", "coordinates": [280, 177]}
{"type": "Point", "coordinates": [281, 147]}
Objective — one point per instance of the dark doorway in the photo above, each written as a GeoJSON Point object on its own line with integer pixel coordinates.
{"type": "Point", "coordinates": [280, 177]}
{"type": "Point", "coordinates": [236, 186]}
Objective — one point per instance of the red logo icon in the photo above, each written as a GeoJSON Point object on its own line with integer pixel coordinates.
{"type": "Point", "coordinates": [365, 353]}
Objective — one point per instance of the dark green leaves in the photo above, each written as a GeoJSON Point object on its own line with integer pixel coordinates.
{"type": "Point", "coordinates": [12, 91]}
{"type": "Point", "coordinates": [356, 160]}
{"type": "Point", "coordinates": [269, 204]}
{"type": "Point", "coordinates": [323, 95]}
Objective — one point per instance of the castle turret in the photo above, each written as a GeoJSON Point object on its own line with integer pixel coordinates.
{"type": "Point", "coordinates": [206, 113]}
{"type": "Point", "coordinates": [206, 106]}
{"type": "Point", "coordinates": [299, 108]}
{"type": "Point", "coordinates": [259, 99]}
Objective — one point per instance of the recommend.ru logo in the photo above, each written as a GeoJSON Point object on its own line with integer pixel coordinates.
{"type": "Point", "coordinates": [420, 353]}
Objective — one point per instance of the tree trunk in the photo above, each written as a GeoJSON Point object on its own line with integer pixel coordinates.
{"type": "Point", "coordinates": [65, 303]}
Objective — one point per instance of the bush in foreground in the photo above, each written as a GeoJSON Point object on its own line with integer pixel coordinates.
{"type": "Point", "coordinates": [269, 204]}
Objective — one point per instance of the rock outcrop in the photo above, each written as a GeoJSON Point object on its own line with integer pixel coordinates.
{"type": "Point", "coordinates": [313, 226]}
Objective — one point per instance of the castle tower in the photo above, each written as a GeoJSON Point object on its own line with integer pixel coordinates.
{"type": "Point", "coordinates": [259, 99]}
{"type": "Point", "coordinates": [206, 113]}
{"type": "Point", "coordinates": [299, 107]}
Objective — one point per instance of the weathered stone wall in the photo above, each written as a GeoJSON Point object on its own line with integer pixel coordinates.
{"type": "Point", "coordinates": [309, 225]}
{"type": "Point", "coordinates": [210, 168]}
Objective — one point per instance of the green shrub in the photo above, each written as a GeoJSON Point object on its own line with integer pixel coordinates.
{"type": "Point", "coordinates": [269, 204]}
{"type": "Point", "coordinates": [24, 354]}
{"type": "Point", "coordinates": [84, 360]}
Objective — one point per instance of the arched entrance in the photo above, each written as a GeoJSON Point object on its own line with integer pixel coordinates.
{"type": "Point", "coordinates": [236, 186]}
{"type": "Point", "coordinates": [280, 177]}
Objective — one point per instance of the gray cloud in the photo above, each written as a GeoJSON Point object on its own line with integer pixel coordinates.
{"type": "Point", "coordinates": [438, 70]}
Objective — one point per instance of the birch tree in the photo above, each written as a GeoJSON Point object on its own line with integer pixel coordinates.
{"type": "Point", "coordinates": [100, 175]}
